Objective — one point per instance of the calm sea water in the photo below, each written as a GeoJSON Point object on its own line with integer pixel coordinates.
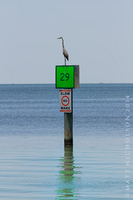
{"type": "Point", "coordinates": [33, 161]}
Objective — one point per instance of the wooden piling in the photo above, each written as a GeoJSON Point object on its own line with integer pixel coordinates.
{"type": "Point", "coordinates": [67, 77]}
{"type": "Point", "coordinates": [68, 125]}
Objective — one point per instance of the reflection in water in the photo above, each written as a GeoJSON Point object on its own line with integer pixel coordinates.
{"type": "Point", "coordinates": [68, 178]}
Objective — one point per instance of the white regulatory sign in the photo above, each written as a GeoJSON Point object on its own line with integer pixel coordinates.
{"type": "Point", "coordinates": [65, 100]}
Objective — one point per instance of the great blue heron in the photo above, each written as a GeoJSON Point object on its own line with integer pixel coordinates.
{"type": "Point", "coordinates": [64, 50]}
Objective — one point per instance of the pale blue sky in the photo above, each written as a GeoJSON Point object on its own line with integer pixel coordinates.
{"type": "Point", "coordinates": [98, 36]}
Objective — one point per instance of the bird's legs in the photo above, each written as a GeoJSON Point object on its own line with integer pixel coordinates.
{"type": "Point", "coordinates": [65, 60]}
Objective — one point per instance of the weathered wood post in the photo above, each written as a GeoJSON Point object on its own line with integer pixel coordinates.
{"type": "Point", "coordinates": [68, 125]}
{"type": "Point", "coordinates": [67, 78]}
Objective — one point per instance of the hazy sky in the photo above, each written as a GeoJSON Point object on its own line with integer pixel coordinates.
{"type": "Point", "coordinates": [98, 36]}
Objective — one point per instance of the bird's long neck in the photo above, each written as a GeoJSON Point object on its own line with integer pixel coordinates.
{"type": "Point", "coordinates": [62, 43]}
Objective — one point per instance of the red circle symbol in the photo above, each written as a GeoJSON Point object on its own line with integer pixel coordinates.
{"type": "Point", "coordinates": [65, 101]}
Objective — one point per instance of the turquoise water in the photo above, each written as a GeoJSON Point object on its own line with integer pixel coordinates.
{"type": "Point", "coordinates": [33, 161]}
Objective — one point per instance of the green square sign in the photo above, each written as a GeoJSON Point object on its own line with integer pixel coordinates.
{"type": "Point", "coordinates": [65, 76]}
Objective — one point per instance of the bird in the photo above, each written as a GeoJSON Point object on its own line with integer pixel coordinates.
{"type": "Point", "coordinates": [65, 53]}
